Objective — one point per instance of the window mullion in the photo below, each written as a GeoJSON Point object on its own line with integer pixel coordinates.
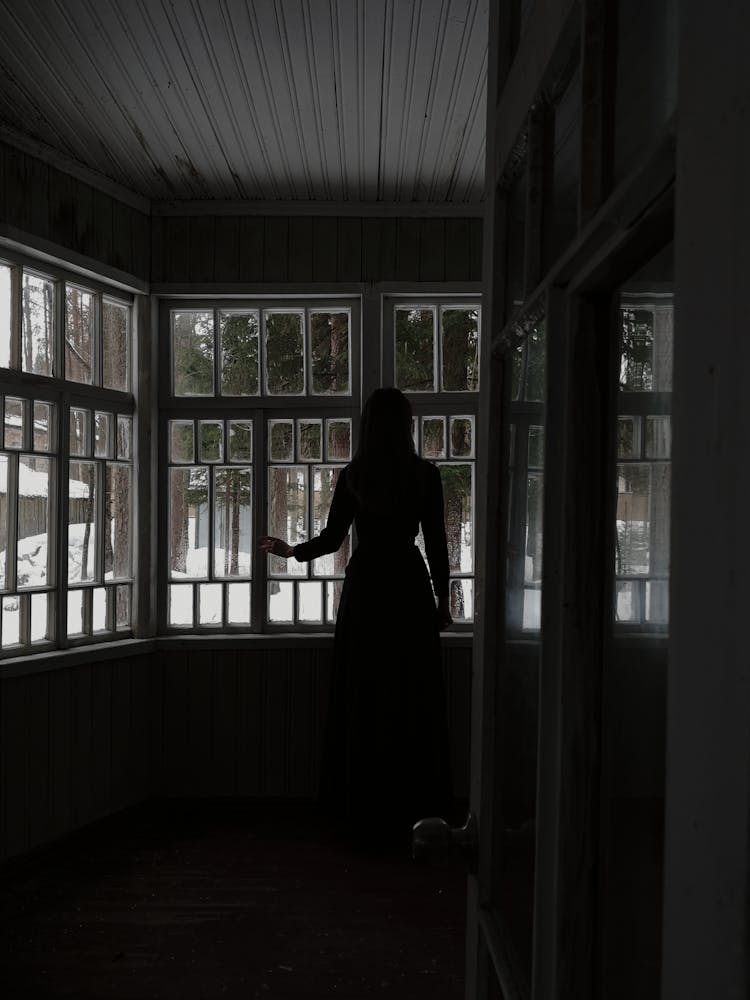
{"type": "Point", "coordinates": [62, 511]}
{"type": "Point", "coordinates": [259, 571]}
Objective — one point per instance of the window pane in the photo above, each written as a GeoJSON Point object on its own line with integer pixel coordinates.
{"type": "Point", "coordinates": [534, 511]}
{"type": "Point", "coordinates": [657, 601]}
{"type": "Point", "coordinates": [647, 344]}
{"type": "Point", "coordinates": [536, 447]}
{"type": "Point", "coordinates": [211, 441]}
{"type": "Point", "coordinates": [117, 544]}
{"type": "Point", "coordinates": [239, 353]}
{"type": "Point", "coordinates": [103, 435]}
{"type": "Point", "coordinates": [181, 604]}
{"type": "Point", "coordinates": [325, 478]}
{"type": "Point", "coordinates": [415, 350]}
{"type": "Point", "coordinates": [285, 359]}
{"type": "Point", "coordinates": [124, 436]}
{"type": "Point", "coordinates": [11, 625]}
{"type": "Point", "coordinates": [287, 514]}
{"type": "Point", "coordinates": [233, 522]}
{"type": "Point", "coordinates": [460, 350]}
{"type": "Point", "coordinates": [333, 596]}
{"type": "Point", "coordinates": [15, 422]}
{"type": "Point", "coordinates": [339, 438]}
{"type": "Point", "coordinates": [181, 443]}
{"type": "Point", "coordinates": [659, 437]}
{"type": "Point", "coordinates": [122, 608]}
{"type": "Point", "coordinates": [532, 608]}
{"type": "Point", "coordinates": [518, 360]}
{"type": "Point", "coordinates": [80, 432]}
{"type": "Point", "coordinates": [535, 362]}
{"type": "Point", "coordinates": [209, 604]}
{"type": "Point", "coordinates": [42, 426]}
{"type": "Point", "coordinates": [188, 517]}
{"type": "Point", "coordinates": [462, 600]}
{"type": "Point", "coordinates": [39, 624]}
{"type": "Point", "coordinates": [34, 484]}
{"type": "Point", "coordinates": [239, 605]}
{"type": "Point", "coordinates": [433, 437]}
{"type": "Point", "coordinates": [5, 315]}
{"type": "Point", "coordinates": [99, 610]}
{"type": "Point", "coordinates": [3, 518]}
{"type": "Point", "coordinates": [240, 441]}
{"type": "Point", "coordinates": [281, 440]}
{"type": "Point", "coordinates": [115, 346]}
{"type": "Point", "coordinates": [329, 335]}
{"type": "Point", "coordinates": [79, 334]}
{"type": "Point", "coordinates": [281, 602]}
{"type": "Point", "coordinates": [310, 442]}
{"type": "Point", "coordinates": [38, 324]}
{"type": "Point", "coordinates": [462, 437]}
{"type": "Point", "coordinates": [310, 596]}
{"type": "Point", "coordinates": [458, 501]}
{"type": "Point", "coordinates": [193, 353]}
{"type": "Point", "coordinates": [628, 437]}
{"type": "Point", "coordinates": [633, 519]}
{"type": "Point", "coordinates": [76, 624]}
{"type": "Point", "coordinates": [626, 601]}
{"type": "Point", "coordinates": [82, 527]}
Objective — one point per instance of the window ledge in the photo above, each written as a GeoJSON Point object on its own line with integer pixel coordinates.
{"type": "Point", "coordinates": [59, 659]}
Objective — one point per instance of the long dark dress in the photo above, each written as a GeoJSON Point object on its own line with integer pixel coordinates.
{"type": "Point", "coordinates": [386, 763]}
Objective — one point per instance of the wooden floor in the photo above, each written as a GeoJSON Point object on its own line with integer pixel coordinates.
{"type": "Point", "coordinates": [199, 902]}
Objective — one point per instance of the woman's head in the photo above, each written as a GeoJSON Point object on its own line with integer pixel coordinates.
{"type": "Point", "coordinates": [385, 427]}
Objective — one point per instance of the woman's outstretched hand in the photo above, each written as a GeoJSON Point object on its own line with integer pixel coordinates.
{"type": "Point", "coordinates": [275, 546]}
{"type": "Point", "coordinates": [445, 619]}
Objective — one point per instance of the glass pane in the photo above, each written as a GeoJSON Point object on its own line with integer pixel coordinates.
{"type": "Point", "coordinates": [37, 325]}
{"type": "Point", "coordinates": [633, 519]}
{"type": "Point", "coordinates": [333, 596]}
{"type": "Point", "coordinates": [324, 484]}
{"type": "Point", "coordinates": [462, 600]}
{"type": "Point", "coordinates": [103, 435]}
{"type": "Point", "coordinates": [310, 442]}
{"type": "Point", "coordinates": [82, 526]}
{"type": "Point", "coordinates": [329, 337]}
{"type": "Point", "coordinates": [415, 350]}
{"type": "Point", "coordinates": [233, 522]}
{"type": "Point", "coordinates": [122, 608]}
{"type": "Point", "coordinates": [433, 437]}
{"type": "Point", "coordinates": [535, 359]}
{"type": "Point", "coordinates": [99, 610]}
{"type": "Point", "coordinates": [209, 604]}
{"type": "Point", "coordinates": [532, 608]}
{"type": "Point", "coordinates": [5, 315]}
{"type": "Point", "coordinates": [79, 335]}
{"type": "Point", "coordinates": [193, 353]}
{"type": "Point", "coordinates": [240, 441]}
{"type": "Point", "coordinates": [42, 427]}
{"type": "Point", "coordinates": [3, 518]}
{"type": "Point", "coordinates": [239, 604]}
{"type": "Point", "coordinates": [238, 332]}
{"type": "Point", "coordinates": [181, 604]}
{"type": "Point", "coordinates": [11, 626]}
{"type": "Point", "coordinates": [657, 601]}
{"type": "Point", "coordinates": [281, 440]}
{"type": "Point", "coordinates": [76, 625]}
{"type": "Point", "coordinates": [659, 437]}
{"type": "Point", "coordinates": [80, 432]}
{"type": "Point", "coordinates": [647, 344]}
{"type": "Point", "coordinates": [115, 346]}
{"type": "Point", "coordinates": [211, 441]}
{"type": "Point", "coordinates": [517, 360]}
{"type": "Point", "coordinates": [534, 510]}
{"type": "Point", "coordinates": [117, 543]}
{"type": "Point", "coordinates": [124, 436]}
{"type": "Point", "coordinates": [15, 422]}
{"type": "Point", "coordinates": [34, 485]}
{"type": "Point", "coordinates": [462, 437]}
{"type": "Point", "coordinates": [287, 514]}
{"type": "Point", "coordinates": [280, 601]}
{"type": "Point", "coordinates": [626, 601]}
{"type": "Point", "coordinates": [310, 602]}
{"type": "Point", "coordinates": [39, 624]}
{"type": "Point", "coordinates": [339, 440]}
{"type": "Point", "coordinates": [458, 500]}
{"type": "Point", "coordinates": [181, 443]}
{"type": "Point", "coordinates": [188, 522]}
{"type": "Point", "coordinates": [536, 447]}
{"type": "Point", "coordinates": [460, 350]}
{"type": "Point", "coordinates": [628, 437]}
{"type": "Point", "coordinates": [285, 359]}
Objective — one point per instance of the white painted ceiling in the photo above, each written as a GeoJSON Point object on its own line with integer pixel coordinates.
{"type": "Point", "coordinates": [270, 100]}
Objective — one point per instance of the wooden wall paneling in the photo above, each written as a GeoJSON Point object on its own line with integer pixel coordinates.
{"type": "Point", "coordinates": [37, 180]}
{"type": "Point", "coordinates": [227, 248]}
{"type": "Point", "coordinates": [14, 734]}
{"type": "Point", "coordinates": [156, 270]}
{"type": "Point", "coordinates": [103, 226]}
{"type": "Point", "coordinates": [325, 242]}
{"type": "Point", "coordinates": [141, 242]}
{"type": "Point", "coordinates": [458, 250]}
{"type": "Point", "coordinates": [202, 248]}
{"type": "Point", "coordinates": [598, 72]}
{"type": "Point", "coordinates": [61, 756]}
{"type": "Point", "coordinates": [475, 249]}
{"type": "Point", "coordinates": [350, 249]}
{"type": "Point", "coordinates": [100, 765]}
{"type": "Point", "coordinates": [198, 749]}
{"type": "Point", "coordinates": [15, 187]}
{"type": "Point", "coordinates": [175, 727]}
{"type": "Point", "coordinates": [225, 723]}
{"type": "Point", "coordinates": [276, 248]}
{"type": "Point", "coordinates": [407, 250]}
{"type": "Point", "coordinates": [301, 248]}
{"type": "Point", "coordinates": [276, 729]}
{"type": "Point", "coordinates": [432, 250]}
{"type": "Point", "coordinates": [122, 236]}
{"type": "Point", "coordinates": [62, 189]}
{"type": "Point", "coordinates": [303, 730]}
{"type": "Point", "coordinates": [84, 238]}
{"type": "Point", "coordinates": [251, 722]}
{"type": "Point", "coordinates": [457, 678]}
{"type": "Point", "coordinates": [252, 248]}
{"type": "Point", "coordinates": [122, 754]}
{"type": "Point", "coordinates": [38, 749]}
{"type": "Point", "coordinates": [379, 249]}
{"type": "Point", "coordinates": [82, 746]}
{"type": "Point", "coordinates": [176, 230]}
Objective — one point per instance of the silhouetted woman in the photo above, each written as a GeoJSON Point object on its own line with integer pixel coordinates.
{"type": "Point", "coordinates": [386, 761]}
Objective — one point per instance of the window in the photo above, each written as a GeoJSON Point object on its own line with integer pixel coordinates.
{"type": "Point", "coordinates": [66, 461]}
{"type": "Point", "coordinates": [262, 400]}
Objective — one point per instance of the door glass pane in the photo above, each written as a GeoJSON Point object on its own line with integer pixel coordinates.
{"type": "Point", "coordinates": [285, 355]}
{"type": "Point", "coordinates": [415, 349]}
{"type": "Point", "coordinates": [460, 350]}
{"type": "Point", "coordinates": [238, 332]}
{"type": "Point", "coordinates": [329, 348]}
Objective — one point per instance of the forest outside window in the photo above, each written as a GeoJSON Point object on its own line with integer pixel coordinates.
{"type": "Point", "coordinates": [66, 462]}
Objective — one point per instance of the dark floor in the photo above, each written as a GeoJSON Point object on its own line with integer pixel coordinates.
{"type": "Point", "coordinates": [229, 902]}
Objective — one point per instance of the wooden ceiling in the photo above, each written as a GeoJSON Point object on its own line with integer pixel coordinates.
{"type": "Point", "coordinates": [254, 100]}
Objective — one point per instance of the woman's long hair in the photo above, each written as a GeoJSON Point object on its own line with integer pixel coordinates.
{"type": "Point", "coordinates": [384, 471]}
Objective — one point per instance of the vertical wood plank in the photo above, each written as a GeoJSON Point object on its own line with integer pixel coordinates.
{"type": "Point", "coordinates": [122, 236]}
{"type": "Point", "coordinates": [251, 723]}
{"type": "Point", "coordinates": [227, 243]}
{"type": "Point", "coordinates": [200, 694]}
{"type": "Point", "coordinates": [432, 250]}
{"type": "Point", "coordinates": [276, 249]}
{"type": "Point", "coordinates": [82, 748]}
{"type": "Point", "coordinates": [124, 761]}
{"type": "Point", "coordinates": [457, 250]}
{"type": "Point", "coordinates": [102, 227]}
{"type": "Point", "coordinates": [84, 240]}
{"type": "Point", "coordinates": [14, 764]}
{"type": "Point", "coordinates": [325, 248]}
{"type": "Point", "coordinates": [100, 767]}
{"type": "Point", "coordinates": [62, 197]}
{"type": "Point", "coordinates": [141, 253]}
{"type": "Point", "coordinates": [202, 244]}
{"type": "Point", "coordinates": [157, 249]}
{"type": "Point", "coordinates": [225, 724]}
{"type": "Point", "coordinates": [379, 249]}
{"type": "Point", "coordinates": [475, 249]}
{"type": "Point", "coordinates": [407, 250]}
{"type": "Point", "coordinates": [38, 741]}
{"type": "Point", "coordinates": [251, 248]}
{"type": "Point", "coordinates": [176, 771]}
{"type": "Point", "coordinates": [176, 231]}
{"type": "Point", "coordinates": [61, 762]}
{"type": "Point", "coordinates": [349, 249]}
{"type": "Point", "coordinates": [15, 184]}
{"type": "Point", "coordinates": [598, 73]}
{"type": "Point", "coordinates": [276, 718]}
{"type": "Point", "coordinates": [37, 180]}
{"type": "Point", "coordinates": [301, 249]}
